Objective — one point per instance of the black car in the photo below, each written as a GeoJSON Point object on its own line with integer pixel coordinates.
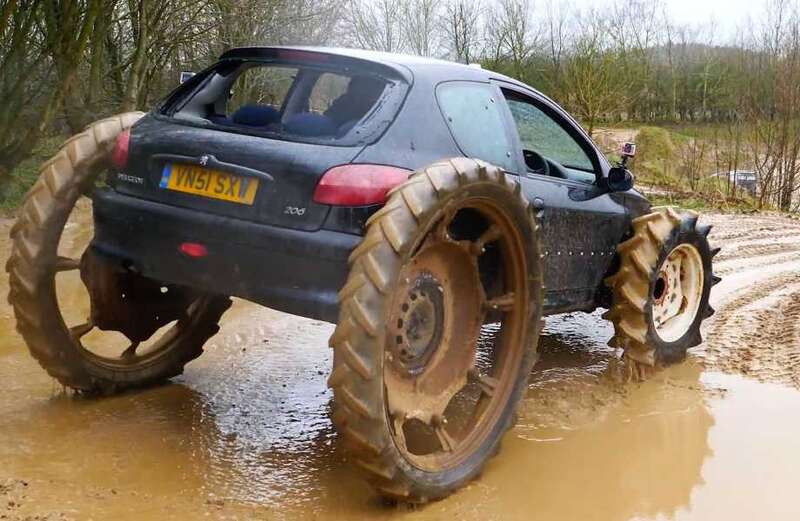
{"type": "Point", "coordinates": [434, 211]}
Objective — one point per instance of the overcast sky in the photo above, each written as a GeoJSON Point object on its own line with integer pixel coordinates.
{"type": "Point", "coordinates": [727, 12]}
{"type": "Point", "coordinates": [727, 15]}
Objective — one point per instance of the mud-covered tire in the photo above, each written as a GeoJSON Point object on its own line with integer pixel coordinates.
{"type": "Point", "coordinates": [359, 341]}
{"type": "Point", "coordinates": [634, 288]}
{"type": "Point", "coordinates": [32, 265]}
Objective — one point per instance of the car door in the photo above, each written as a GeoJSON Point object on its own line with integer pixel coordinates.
{"type": "Point", "coordinates": [581, 222]}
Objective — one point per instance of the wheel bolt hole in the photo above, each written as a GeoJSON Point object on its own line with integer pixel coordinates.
{"type": "Point", "coordinates": [660, 288]}
{"type": "Point", "coordinates": [399, 323]}
{"type": "Point", "coordinates": [404, 307]}
{"type": "Point", "coordinates": [413, 296]}
{"type": "Point", "coordinates": [398, 339]}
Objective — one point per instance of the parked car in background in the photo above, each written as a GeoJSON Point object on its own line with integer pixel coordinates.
{"type": "Point", "coordinates": [747, 180]}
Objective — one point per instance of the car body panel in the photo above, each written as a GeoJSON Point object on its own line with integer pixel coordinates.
{"type": "Point", "coordinates": [294, 169]}
{"type": "Point", "coordinates": [294, 271]}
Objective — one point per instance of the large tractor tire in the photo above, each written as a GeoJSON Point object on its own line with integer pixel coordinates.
{"type": "Point", "coordinates": [35, 262]}
{"type": "Point", "coordinates": [438, 329]}
{"type": "Point", "coordinates": [661, 290]}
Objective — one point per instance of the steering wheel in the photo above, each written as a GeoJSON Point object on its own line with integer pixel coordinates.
{"type": "Point", "coordinates": [536, 163]}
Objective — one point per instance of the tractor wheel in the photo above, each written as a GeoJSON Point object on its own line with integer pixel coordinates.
{"type": "Point", "coordinates": [438, 329]}
{"type": "Point", "coordinates": [35, 262]}
{"type": "Point", "coordinates": [661, 290]}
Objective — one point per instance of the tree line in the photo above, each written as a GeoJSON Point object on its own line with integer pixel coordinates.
{"type": "Point", "coordinates": [65, 63]}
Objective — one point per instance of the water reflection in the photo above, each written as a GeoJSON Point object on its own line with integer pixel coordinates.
{"type": "Point", "coordinates": [247, 430]}
{"type": "Point", "coordinates": [594, 448]}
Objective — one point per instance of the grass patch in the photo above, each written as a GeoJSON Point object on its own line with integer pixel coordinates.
{"type": "Point", "coordinates": [703, 202]}
{"type": "Point", "coordinates": [26, 173]}
{"type": "Point", "coordinates": [655, 161]}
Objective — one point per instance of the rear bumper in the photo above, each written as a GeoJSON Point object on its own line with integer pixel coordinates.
{"type": "Point", "coordinates": [293, 271]}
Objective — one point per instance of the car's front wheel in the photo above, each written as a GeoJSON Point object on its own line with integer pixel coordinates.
{"type": "Point", "coordinates": [438, 327]}
{"type": "Point", "coordinates": [661, 290]}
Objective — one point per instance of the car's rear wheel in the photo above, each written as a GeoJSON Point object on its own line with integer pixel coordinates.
{"type": "Point", "coordinates": [438, 327]}
{"type": "Point", "coordinates": [126, 309]}
{"type": "Point", "coordinates": [661, 290]}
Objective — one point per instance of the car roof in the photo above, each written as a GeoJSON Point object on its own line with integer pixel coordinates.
{"type": "Point", "coordinates": [418, 65]}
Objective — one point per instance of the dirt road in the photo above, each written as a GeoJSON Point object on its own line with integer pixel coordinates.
{"type": "Point", "coordinates": [244, 434]}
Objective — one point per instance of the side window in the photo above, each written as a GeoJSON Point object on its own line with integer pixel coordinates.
{"type": "Point", "coordinates": [474, 115]}
{"type": "Point", "coordinates": [542, 134]}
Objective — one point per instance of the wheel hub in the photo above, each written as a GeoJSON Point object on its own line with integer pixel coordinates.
{"type": "Point", "coordinates": [661, 287]}
{"type": "Point", "coordinates": [420, 322]}
{"type": "Point", "coordinates": [677, 292]}
{"type": "Point", "coordinates": [127, 302]}
{"type": "Point", "coordinates": [431, 349]}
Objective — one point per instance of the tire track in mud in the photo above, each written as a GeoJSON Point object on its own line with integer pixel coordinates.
{"type": "Point", "coordinates": [756, 330]}
{"type": "Point", "coordinates": [770, 246]}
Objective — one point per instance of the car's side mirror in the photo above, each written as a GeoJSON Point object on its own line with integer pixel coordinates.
{"type": "Point", "coordinates": [620, 179]}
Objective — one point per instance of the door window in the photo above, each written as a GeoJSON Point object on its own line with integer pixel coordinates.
{"type": "Point", "coordinates": [474, 115]}
{"type": "Point", "coordinates": [542, 134]}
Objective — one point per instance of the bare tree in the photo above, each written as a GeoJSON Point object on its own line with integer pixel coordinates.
{"type": "Point", "coordinates": [769, 101]}
{"type": "Point", "coordinates": [556, 32]}
{"type": "Point", "coordinates": [508, 39]}
{"type": "Point", "coordinates": [375, 25]}
{"type": "Point", "coordinates": [593, 84]}
{"type": "Point", "coordinates": [53, 32]}
{"type": "Point", "coordinates": [460, 24]}
{"type": "Point", "coordinates": [420, 19]}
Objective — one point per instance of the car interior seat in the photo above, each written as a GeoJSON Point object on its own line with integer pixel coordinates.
{"type": "Point", "coordinates": [255, 115]}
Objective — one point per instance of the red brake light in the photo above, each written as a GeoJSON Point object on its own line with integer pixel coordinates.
{"type": "Point", "coordinates": [119, 157]}
{"type": "Point", "coordinates": [193, 249]}
{"type": "Point", "coordinates": [358, 185]}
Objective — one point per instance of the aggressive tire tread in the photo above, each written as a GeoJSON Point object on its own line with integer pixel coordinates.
{"type": "Point", "coordinates": [640, 256]}
{"type": "Point", "coordinates": [45, 209]}
{"type": "Point", "coordinates": [358, 343]}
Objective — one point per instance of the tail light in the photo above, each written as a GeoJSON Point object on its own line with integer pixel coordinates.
{"type": "Point", "coordinates": [358, 185]}
{"type": "Point", "coordinates": [119, 156]}
{"type": "Point", "coordinates": [193, 249]}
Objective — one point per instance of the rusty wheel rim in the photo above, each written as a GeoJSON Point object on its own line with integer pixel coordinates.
{"type": "Point", "coordinates": [677, 292]}
{"type": "Point", "coordinates": [445, 393]}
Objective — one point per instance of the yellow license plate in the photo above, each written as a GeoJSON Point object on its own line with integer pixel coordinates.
{"type": "Point", "coordinates": [197, 180]}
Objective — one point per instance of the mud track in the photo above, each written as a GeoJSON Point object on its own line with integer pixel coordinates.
{"type": "Point", "coordinates": [245, 432]}
{"type": "Point", "coordinates": [756, 330]}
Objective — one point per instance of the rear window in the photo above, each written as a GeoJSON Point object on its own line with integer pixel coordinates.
{"type": "Point", "coordinates": [302, 103]}
{"type": "Point", "coordinates": [260, 86]}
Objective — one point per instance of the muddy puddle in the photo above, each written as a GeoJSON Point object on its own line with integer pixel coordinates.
{"type": "Point", "coordinates": [245, 434]}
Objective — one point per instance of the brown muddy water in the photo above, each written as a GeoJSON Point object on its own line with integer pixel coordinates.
{"type": "Point", "coordinates": [245, 434]}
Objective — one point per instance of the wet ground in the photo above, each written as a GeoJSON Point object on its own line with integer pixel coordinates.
{"type": "Point", "coordinates": [245, 434]}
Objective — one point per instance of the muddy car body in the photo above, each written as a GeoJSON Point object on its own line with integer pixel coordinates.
{"type": "Point", "coordinates": [296, 263]}
{"type": "Point", "coordinates": [433, 211]}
